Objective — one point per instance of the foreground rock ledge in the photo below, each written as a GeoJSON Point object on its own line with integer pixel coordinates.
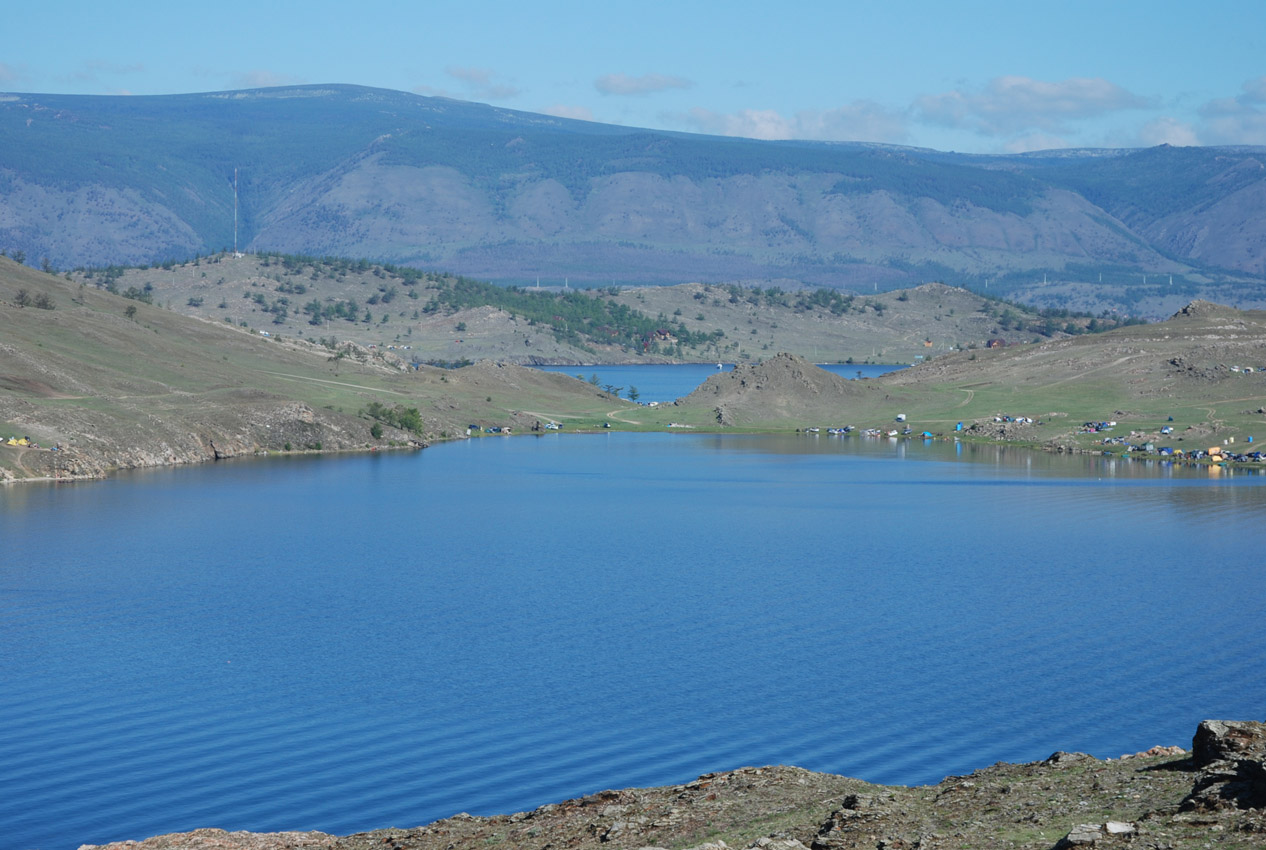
{"type": "Point", "coordinates": [1162, 798]}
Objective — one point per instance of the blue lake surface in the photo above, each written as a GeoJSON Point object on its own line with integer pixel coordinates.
{"type": "Point", "coordinates": [669, 382]}
{"type": "Point", "coordinates": [356, 642]}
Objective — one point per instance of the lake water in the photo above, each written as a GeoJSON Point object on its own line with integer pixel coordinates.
{"type": "Point", "coordinates": [356, 642]}
{"type": "Point", "coordinates": [670, 382]}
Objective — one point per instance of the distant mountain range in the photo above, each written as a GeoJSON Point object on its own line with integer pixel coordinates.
{"type": "Point", "coordinates": [512, 196]}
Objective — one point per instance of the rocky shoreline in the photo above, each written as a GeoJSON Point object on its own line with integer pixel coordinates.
{"type": "Point", "coordinates": [290, 428]}
{"type": "Point", "coordinates": [1166, 798]}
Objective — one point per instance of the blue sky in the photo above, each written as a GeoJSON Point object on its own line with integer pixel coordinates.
{"type": "Point", "coordinates": [984, 77]}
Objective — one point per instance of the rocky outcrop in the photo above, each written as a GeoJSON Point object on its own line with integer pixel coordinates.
{"type": "Point", "coordinates": [1223, 740]}
{"type": "Point", "coordinates": [1231, 756]}
{"type": "Point", "coordinates": [758, 844]}
{"type": "Point", "coordinates": [1205, 309]}
{"type": "Point", "coordinates": [246, 427]}
{"type": "Point", "coordinates": [782, 386]}
{"type": "Point", "coordinates": [1086, 834]}
{"type": "Point", "coordinates": [858, 814]}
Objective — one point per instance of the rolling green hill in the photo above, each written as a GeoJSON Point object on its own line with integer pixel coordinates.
{"type": "Point", "coordinates": [101, 382]}
{"type": "Point", "coordinates": [1201, 374]}
{"type": "Point", "coordinates": [98, 381]}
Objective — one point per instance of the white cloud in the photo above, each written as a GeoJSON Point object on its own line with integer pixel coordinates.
{"type": "Point", "coordinates": [93, 70]}
{"type": "Point", "coordinates": [580, 113]}
{"type": "Point", "coordinates": [1035, 142]}
{"type": "Point", "coordinates": [860, 121]}
{"type": "Point", "coordinates": [1237, 120]}
{"type": "Point", "coordinates": [432, 91]}
{"type": "Point", "coordinates": [623, 84]}
{"type": "Point", "coordinates": [261, 79]}
{"type": "Point", "coordinates": [471, 76]}
{"type": "Point", "coordinates": [9, 74]}
{"type": "Point", "coordinates": [748, 123]}
{"type": "Point", "coordinates": [100, 66]}
{"type": "Point", "coordinates": [1255, 91]}
{"type": "Point", "coordinates": [1168, 131]}
{"type": "Point", "coordinates": [1015, 105]}
{"type": "Point", "coordinates": [482, 83]}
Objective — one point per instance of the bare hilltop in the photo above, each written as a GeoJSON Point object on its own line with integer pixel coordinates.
{"type": "Point", "coordinates": [438, 318]}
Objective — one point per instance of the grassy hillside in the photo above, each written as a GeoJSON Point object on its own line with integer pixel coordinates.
{"type": "Point", "coordinates": [1202, 374]}
{"type": "Point", "coordinates": [101, 381]}
{"type": "Point", "coordinates": [436, 318]}
{"type": "Point", "coordinates": [116, 382]}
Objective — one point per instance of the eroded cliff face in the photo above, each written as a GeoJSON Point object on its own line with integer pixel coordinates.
{"type": "Point", "coordinates": [1162, 798]}
{"type": "Point", "coordinates": [150, 438]}
{"type": "Point", "coordinates": [767, 225]}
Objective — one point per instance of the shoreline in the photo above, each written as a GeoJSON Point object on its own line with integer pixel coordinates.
{"type": "Point", "coordinates": [1167, 796]}
{"type": "Point", "coordinates": [110, 470]}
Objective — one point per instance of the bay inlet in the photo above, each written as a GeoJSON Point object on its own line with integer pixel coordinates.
{"type": "Point", "coordinates": [350, 643]}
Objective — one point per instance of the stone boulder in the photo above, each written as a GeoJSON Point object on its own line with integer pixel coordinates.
{"type": "Point", "coordinates": [1231, 756]}
{"type": "Point", "coordinates": [770, 843]}
{"type": "Point", "coordinates": [1228, 740]}
{"type": "Point", "coordinates": [858, 813]}
{"type": "Point", "coordinates": [1228, 785]}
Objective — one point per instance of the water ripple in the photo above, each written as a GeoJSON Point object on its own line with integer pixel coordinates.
{"type": "Point", "coordinates": [490, 627]}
